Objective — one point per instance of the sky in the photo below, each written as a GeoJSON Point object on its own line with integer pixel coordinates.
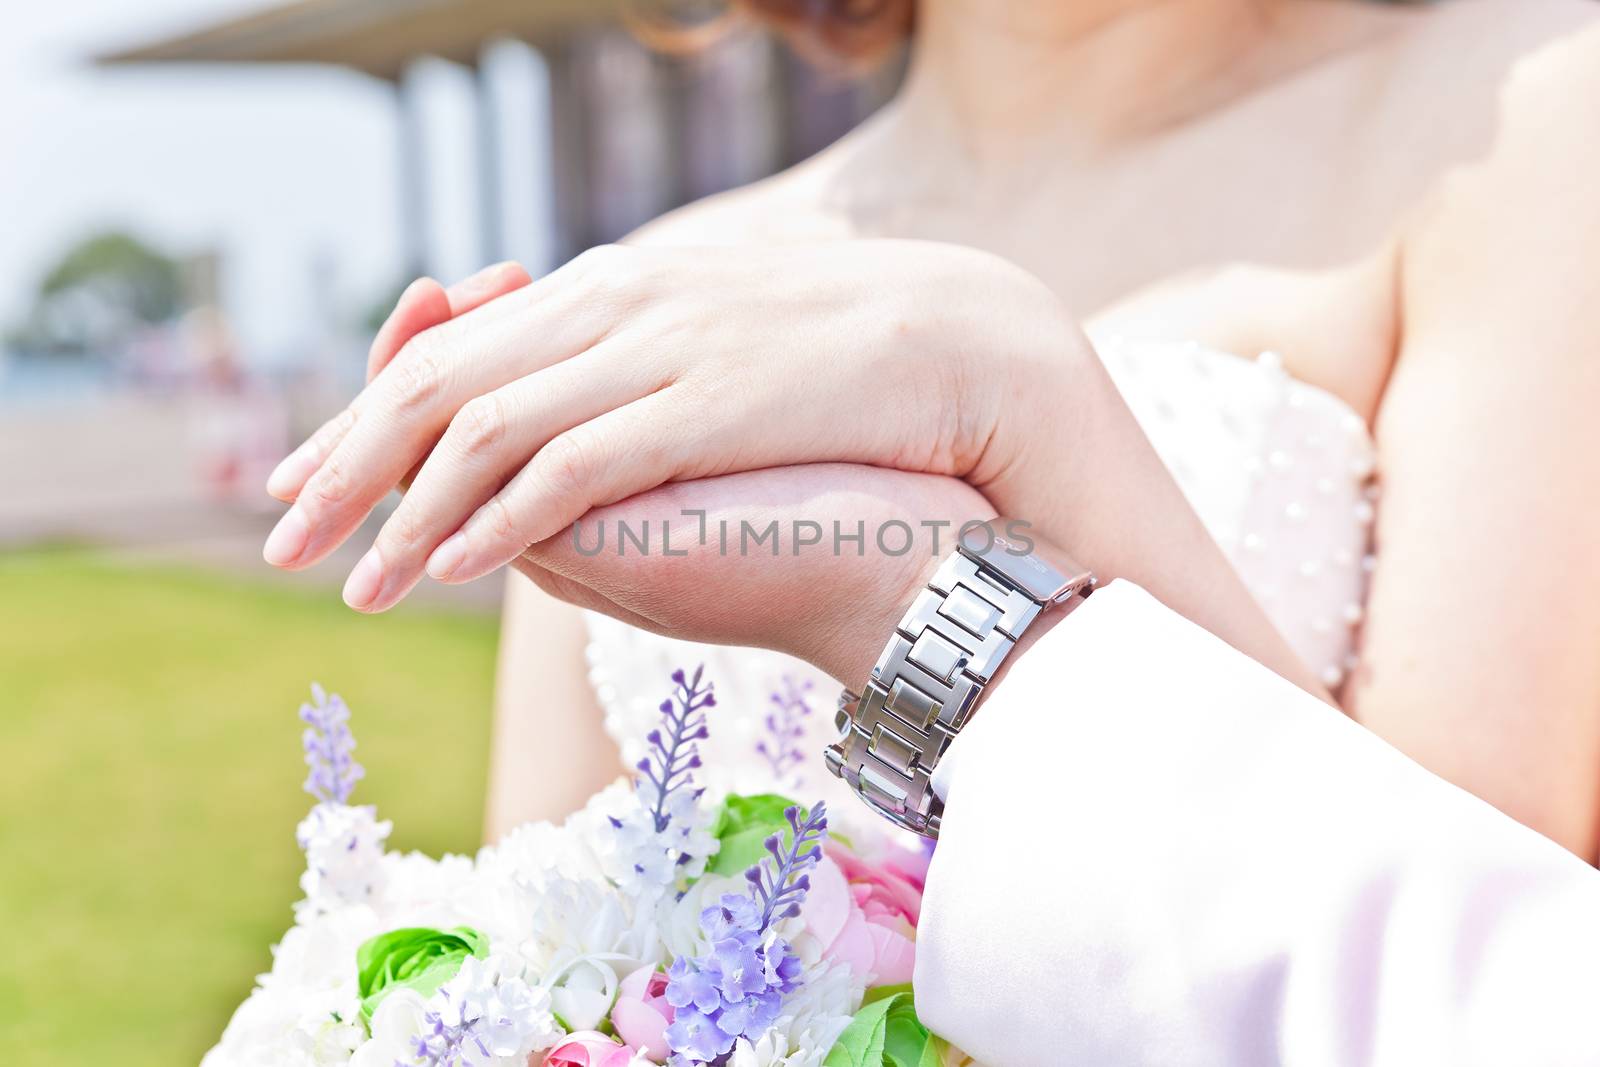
{"type": "Point", "coordinates": [290, 173]}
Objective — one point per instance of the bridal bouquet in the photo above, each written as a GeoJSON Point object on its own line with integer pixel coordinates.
{"type": "Point", "coordinates": [659, 925]}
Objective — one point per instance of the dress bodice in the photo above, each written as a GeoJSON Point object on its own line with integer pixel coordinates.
{"type": "Point", "coordinates": [1279, 471]}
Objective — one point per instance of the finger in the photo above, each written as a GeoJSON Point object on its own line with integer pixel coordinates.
{"type": "Point", "coordinates": [609, 458]}
{"type": "Point", "coordinates": [425, 305]}
{"type": "Point", "coordinates": [488, 440]}
{"type": "Point", "coordinates": [490, 283]}
{"type": "Point", "coordinates": [289, 476]}
{"type": "Point", "coordinates": [406, 408]}
{"type": "Point", "coordinates": [422, 306]}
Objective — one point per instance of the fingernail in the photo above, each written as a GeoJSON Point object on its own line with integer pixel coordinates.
{"type": "Point", "coordinates": [361, 588]}
{"type": "Point", "coordinates": [447, 557]}
{"type": "Point", "coordinates": [288, 477]}
{"type": "Point", "coordinates": [287, 539]}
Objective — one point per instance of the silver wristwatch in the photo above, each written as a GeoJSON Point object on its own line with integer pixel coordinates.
{"type": "Point", "coordinates": [942, 654]}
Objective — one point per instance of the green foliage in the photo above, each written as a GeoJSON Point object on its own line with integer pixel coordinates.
{"type": "Point", "coordinates": [886, 1033]}
{"type": "Point", "coordinates": [418, 958]}
{"type": "Point", "coordinates": [124, 270]}
{"type": "Point", "coordinates": [743, 825]}
{"type": "Point", "coordinates": [101, 290]}
{"type": "Point", "coordinates": [152, 785]}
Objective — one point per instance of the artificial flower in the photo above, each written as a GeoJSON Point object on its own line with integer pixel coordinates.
{"type": "Point", "coordinates": [637, 924]}
{"type": "Point", "coordinates": [864, 916]}
{"type": "Point", "coordinates": [589, 1048]}
{"type": "Point", "coordinates": [418, 957]}
{"type": "Point", "coordinates": [483, 1017]}
{"type": "Point", "coordinates": [344, 849]}
{"type": "Point", "coordinates": [735, 991]}
{"type": "Point", "coordinates": [641, 1014]}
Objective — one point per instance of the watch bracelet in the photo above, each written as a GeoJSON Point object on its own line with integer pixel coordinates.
{"type": "Point", "coordinates": [944, 651]}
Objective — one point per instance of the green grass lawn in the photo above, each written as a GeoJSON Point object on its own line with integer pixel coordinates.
{"type": "Point", "coordinates": [151, 786]}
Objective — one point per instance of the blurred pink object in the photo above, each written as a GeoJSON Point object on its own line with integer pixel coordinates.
{"type": "Point", "coordinates": [888, 890]}
{"type": "Point", "coordinates": [587, 1048]}
{"type": "Point", "coordinates": [864, 915]}
{"type": "Point", "coordinates": [642, 1014]}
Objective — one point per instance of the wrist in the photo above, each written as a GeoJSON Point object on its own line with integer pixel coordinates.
{"type": "Point", "coordinates": [851, 644]}
{"type": "Point", "coordinates": [1048, 463]}
{"type": "Point", "coordinates": [980, 608]}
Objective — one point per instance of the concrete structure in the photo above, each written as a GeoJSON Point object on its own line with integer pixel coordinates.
{"type": "Point", "coordinates": [634, 132]}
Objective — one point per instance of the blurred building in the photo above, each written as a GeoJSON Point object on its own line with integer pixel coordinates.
{"type": "Point", "coordinates": [632, 131]}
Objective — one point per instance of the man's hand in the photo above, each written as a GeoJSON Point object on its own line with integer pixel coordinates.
{"type": "Point", "coordinates": [818, 561]}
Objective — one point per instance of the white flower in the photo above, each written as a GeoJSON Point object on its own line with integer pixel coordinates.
{"type": "Point", "coordinates": [320, 952]}
{"type": "Point", "coordinates": [420, 891]}
{"type": "Point", "coordinates": [619, 825]}
{"type": "Point", "coordinates": [290, 1026]}
{"type": "Point", "coordinates": [396, 1024]}
{"type": "Point", "coordinates": [505, 1013]}
{"type": "Point", "coordinates": [681, 932]}
{"type": "Point", "coordinates": [582, 993]}
{"type": "Point", "coordinates": [534, 852]}
{"type": "Point", "coordinates": [569, 919]}
{"type": "Point", "coordinates": [344, 857]}
{"type": "Point", "coordinates": [582, 939]}
{"type": "Point", "coordinates": [486, 1013]}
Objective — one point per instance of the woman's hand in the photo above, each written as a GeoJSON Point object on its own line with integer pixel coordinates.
{"type": "Point", "coordinates": [630, 368]}
{"type": "Point", "coordinates": [818, 561]}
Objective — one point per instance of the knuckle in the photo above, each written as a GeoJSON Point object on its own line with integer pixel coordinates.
{"type": "Point", "coordinates": [567, 464]}
{"type": "Point", "coordinates": [479, 427]}
{"type": "Point", "coordinates": [613, 271]}
{"type": "Point", "coordinates": [403, 531]}
{"type": "Point", "coordinates": [333, 485]}
{"type": "Point", "coordinates": [600, 259]}
{"type": "Point", "coordinates": [419, 373]}
{"type": "Point", "coordinates": [499, 521]}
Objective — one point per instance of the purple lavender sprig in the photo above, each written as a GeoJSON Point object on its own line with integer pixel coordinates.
{"type": "Point", "coordinates": [444, 1045]}
{"type": "Point", "coordinates": [674, 756]}
{"type": "Point", "coordinates": [779, 892]}
{"type": "Point", "coordinates": [329, 747]}
{"type": "Point", "coordinates": [786, 728]}
{"type": "Point", "coordinates": [737, 988]}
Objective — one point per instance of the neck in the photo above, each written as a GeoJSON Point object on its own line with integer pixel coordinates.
{"type": "Point", "coordinates": [994, 78]}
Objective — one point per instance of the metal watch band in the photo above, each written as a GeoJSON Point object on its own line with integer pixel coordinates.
{"type": "Point", "coordinates": [944, 651]}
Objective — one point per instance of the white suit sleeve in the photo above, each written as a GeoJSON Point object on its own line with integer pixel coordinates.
{"type": "Point", "coordinates": [1156, 851]}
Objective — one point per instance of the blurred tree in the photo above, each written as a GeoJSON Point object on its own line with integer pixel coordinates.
{"type": "Point", "coordinates": [104, 289]}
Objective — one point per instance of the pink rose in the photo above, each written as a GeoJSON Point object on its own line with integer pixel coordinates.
{"type": "Point", "coordinates": [886, 890]}
{"type": "Point", "coordinates": [588, 1049]}
{"type": "Point", "coordinates": [864, 915]}
{"type": "Point", "coordinates": [642, 1014]}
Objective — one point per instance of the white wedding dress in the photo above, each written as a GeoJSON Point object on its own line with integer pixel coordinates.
{"type": "Point", "coordinates": [1280, 472]}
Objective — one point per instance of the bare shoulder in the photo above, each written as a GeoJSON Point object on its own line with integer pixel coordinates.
{"type": "Point", "coordinates": [1557, 84]}
{"type": "Point", "coordinates": [1499, 268]}
{"type": "Point", "coordinates": [1538, 175]}
{"type": "Point", "coordinates": [1507, 43]}
{"type": "Point", "coordinates": [1457, 61]}
{"type": "Point", "coordinates": [1494, 29]}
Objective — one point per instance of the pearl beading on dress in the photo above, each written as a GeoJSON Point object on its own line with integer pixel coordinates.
{"type": "Point", "coordinates": [1288, 488]}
